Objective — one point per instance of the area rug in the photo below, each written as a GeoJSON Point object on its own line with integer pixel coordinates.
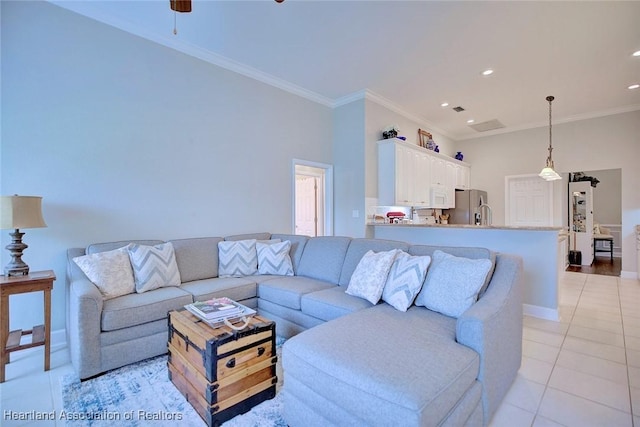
{"type": "Point", "coordinates": [142, 395]}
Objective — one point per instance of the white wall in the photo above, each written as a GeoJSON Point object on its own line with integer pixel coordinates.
{"type": "Point", "coordinates": [349, 169]}
{"type": "Point", "coordinates": [607, 196]}
{"type": "Point", "coordinates": [126, 139]}
{"type": "Point", "coordinates": [611, 142]}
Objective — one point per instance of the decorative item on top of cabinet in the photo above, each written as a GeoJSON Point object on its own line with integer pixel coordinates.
{"type": "Point", "coordinates": [426, 140]}
{"type": "Point", "coordinates": [390, 131]}
{"type": "Point", "coordinates": [459, 155]}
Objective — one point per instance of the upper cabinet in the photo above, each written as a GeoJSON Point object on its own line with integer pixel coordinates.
{"type": "Point", "coordinates": [409, 175]}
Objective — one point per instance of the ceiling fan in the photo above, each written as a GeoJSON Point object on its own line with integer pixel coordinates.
{"type": "Point", "coordinates": [185, 5]}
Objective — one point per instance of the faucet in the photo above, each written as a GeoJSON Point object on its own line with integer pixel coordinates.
{"type": "Point", "coordinates": [485, 219]}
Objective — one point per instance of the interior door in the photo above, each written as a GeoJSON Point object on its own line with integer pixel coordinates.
{"type": "Point", "coordinates": [529, 201]}
{"type": "Point", "coordinates": [306, 205]}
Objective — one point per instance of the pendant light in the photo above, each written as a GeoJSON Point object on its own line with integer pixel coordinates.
{"type": "Point", "coordinates": [548, 173]}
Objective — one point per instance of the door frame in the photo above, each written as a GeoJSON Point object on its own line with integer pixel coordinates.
{"type": "Point", "coordinates": [328, 193]}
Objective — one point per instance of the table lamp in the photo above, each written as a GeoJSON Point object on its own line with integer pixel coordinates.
{"type": "Point", "coordinates": [19, 212]}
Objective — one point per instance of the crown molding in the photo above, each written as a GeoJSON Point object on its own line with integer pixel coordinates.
{"type": "Point", "coordinates": [569, 119]}
{"type": "Point", "coordinates": [390, 105]}
{"type": "Point", "coordinates": [85, 8]}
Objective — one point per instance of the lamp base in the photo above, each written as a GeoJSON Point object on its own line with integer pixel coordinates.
{"type": "Point", "coordinates": [16, 267]}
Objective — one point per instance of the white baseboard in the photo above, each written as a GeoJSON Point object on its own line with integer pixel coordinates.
{"type": "Point", "coordinates": [541, 312]}
{"type": "Point", "coordinates": [628, 275]}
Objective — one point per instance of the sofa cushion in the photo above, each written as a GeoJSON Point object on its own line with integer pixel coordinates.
{"type": "Point", "coordinates": [369, 277]}
{"type": "Point", "coordinates": [323, 258]}
{"type": "Point", "coordinates": [237, 258]}
{"type": "Point", "coordinates": [249, 236]}
{"type": "Point", "coordinates": [460, 251]}
{"type": "Point", "coordinates": [297, 247]}
{"type": "Point", "coordinates": [359, 247]}
{"type": "Point", "coordinates": [405, 280]}
{"type": "Point", "coordinates": [110, 271]}
{"type": "Point", "coordinates": [452, 283]}
{"type": "Point", "coordinates": [384, 366]}
{"type": "Point", "coordinates": [153, 266]}
{"type": "Point", "coordinates": [331, 303]}
{"type": "Point", "coordinates": [109, 246]}
{"type": "Point", "coordinates": [273, 258]}
{"type": "Point", "coordinates": [236, 288]}
{"type": "Point", "coordinates": [136, 309]}
{"type": "Point", "coordinates": [197, 258]}
{"type": "Point", "coordinates": [288, 290]}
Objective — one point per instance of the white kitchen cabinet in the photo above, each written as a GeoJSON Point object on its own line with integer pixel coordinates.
{"type": "Point", "coordinates": [462, 176]}
{"type": "Point", "coordinates": [581, 219]}
{"type": "Point", "coordinates": [409, 175]}
{"type": "Point", "coordinates": [403, 174]}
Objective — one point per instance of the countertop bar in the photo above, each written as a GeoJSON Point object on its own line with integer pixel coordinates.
{"type": "Point", "coordinates": [475, 227]}
{"type": "Point", "coordinates": [539, 247]}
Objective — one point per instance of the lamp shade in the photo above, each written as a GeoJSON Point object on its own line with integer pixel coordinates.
{"type": "Point", "coordinates": [549, 174]}
{"type": "Point", "coordinates": [21, 212]}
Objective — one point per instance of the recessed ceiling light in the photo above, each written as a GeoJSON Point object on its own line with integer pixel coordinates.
{"type": "Point", "coordinates": [487, 72]}
{"type": "Point", "coordinates": [444, 104]}
{"type": "Point", "coordinates": [636, 53]}
{"type": "Point", "coordinates": [636, 86]}
{"type": "Point", "coordinates": [470, 121]}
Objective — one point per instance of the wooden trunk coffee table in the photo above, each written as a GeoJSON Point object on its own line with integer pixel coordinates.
{"type": "Point", "coordinates": [222, 372]}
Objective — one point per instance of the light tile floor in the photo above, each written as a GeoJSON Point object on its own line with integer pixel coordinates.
{"type": "Point", "coordinates": [582, 371]}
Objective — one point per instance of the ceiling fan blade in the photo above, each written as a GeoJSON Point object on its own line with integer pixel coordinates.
{"type": "Point", "coordinates": [181, 5]}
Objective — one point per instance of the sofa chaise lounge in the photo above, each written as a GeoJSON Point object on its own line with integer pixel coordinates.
{"type": "Point", "coordinates": [348, 362]}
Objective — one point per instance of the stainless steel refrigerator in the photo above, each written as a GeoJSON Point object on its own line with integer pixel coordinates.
{"type": "Point", "coordinates": [467, 204]}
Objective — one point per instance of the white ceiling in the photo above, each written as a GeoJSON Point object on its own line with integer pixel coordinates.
{"type": "Point", "coordinates": [415, 54]}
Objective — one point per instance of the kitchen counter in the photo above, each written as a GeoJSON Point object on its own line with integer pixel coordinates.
{"type": "Point", "coordinates": [542, 249]}
{"type": "Point", "coordinates": [475, 227]}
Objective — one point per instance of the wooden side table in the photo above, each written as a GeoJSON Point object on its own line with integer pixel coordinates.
{"type": "Point", "coordinates": [41, 334]}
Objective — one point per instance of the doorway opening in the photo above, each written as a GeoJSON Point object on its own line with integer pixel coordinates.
{"type": "Point", "coordinates": [312, 198]}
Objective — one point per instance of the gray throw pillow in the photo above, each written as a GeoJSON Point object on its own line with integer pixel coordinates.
{"type": "Point", "coordinates": [405, 280]}
{"type": "Point", "coordinates": [452, 283]}
{"type": "Point", "coordinates": [153, 266]}
{"type": "Point", "coordinates": [237, 258]}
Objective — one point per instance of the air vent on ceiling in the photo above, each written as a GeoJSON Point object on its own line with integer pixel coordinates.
{"type": "Point", "coordinates": [488, 125]}
{"type": "Point", "coordinates": [458, 109]}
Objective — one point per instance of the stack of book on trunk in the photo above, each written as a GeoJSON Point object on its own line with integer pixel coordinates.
{"type": "Point", "coordinates": [217, 309]}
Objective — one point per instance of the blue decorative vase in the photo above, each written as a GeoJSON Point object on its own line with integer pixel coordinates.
{"type": "Point", "coordinates": [437, 149]}
{"type": "Point", "coordinates": [459, 155]}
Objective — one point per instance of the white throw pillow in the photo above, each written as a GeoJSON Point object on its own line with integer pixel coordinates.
{"type": "Point", "coordinates": [153, 266]}
{"type": "Point", "coordinates": [237, 258]}
{"type": "Point", "coordinates": [370, 275]}
{"type": "Point", "coordinates": [405, 280]}
{"type": "Point", "coordinates": [273, 258]}
{"type": "Point", "coordinates": [452, 283]}
{"type": "Point", "coordinates": [110, 271]}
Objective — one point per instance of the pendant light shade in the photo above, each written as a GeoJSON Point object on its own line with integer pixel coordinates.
{"type": "Point", "coordinates": [548, 173]}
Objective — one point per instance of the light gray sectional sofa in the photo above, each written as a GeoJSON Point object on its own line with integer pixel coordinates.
{"type": "Point", "coordinates": [348, 362]}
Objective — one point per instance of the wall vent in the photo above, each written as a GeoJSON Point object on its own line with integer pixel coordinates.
{"type": "Point", "coordinates": [458, 109]}
{"type": "Point", "coordinates": [488, 125]}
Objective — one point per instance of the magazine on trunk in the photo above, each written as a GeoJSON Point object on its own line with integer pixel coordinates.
{"type": "Point", "coordinates": [216, 310]}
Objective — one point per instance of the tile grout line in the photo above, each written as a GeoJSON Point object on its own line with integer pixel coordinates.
{"type": "Point", "coordinates": [564, 337]}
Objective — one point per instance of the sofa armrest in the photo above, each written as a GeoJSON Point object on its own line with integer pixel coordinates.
{"type": "Point", "coordinates": [83, 327]}
{"type": "Point", "coordinates": [493, 328]}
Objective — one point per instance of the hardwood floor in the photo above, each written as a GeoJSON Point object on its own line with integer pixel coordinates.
{"type": "Point", "coordinates": [601, 265]}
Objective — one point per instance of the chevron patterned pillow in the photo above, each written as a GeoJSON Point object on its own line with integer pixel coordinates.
{"type": "Point", "coordinates": [153, 266]}
{"type": "Point", "coordinates": [405, 280]}
{"type": "Point", "coordinates": [273, 258]}
{"type": "Point", "coordinates": [237, 258]}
